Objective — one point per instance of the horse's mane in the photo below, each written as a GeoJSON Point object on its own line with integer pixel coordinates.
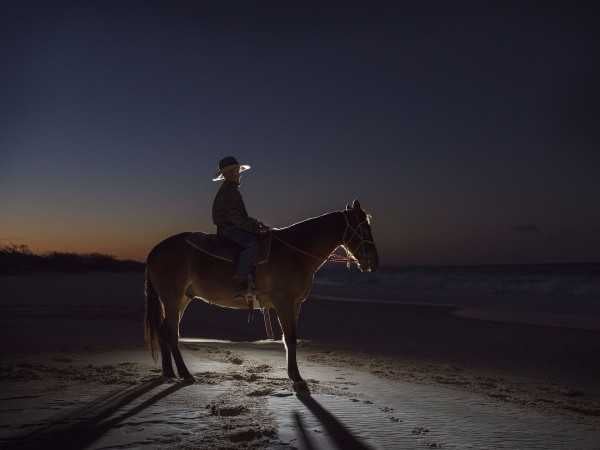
{"type": "Point", "coordinates": [306, 221]}
{"type": "Point", "coordinates": [298, 232]}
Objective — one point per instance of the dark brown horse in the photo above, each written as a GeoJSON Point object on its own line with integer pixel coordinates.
{"type": "Point", "coordinates": [176, 273]}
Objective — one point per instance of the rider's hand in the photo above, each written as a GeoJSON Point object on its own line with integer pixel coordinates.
{"type": "Point", "coordinates": [262, 228]}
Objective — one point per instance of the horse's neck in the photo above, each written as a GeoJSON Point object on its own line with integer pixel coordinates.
{"type": "Point", "coordinates": [318, 236]}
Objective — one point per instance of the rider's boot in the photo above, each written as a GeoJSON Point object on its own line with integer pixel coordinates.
{"type": "Point", "coordinates": [244, 288]}
{"type": "Point", "coordinates": [240, 287]}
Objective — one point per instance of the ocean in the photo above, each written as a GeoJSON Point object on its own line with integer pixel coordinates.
{"type": "Point", "coordinates": [545, 294]}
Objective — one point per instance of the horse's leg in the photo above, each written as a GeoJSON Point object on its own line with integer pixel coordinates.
{"type": "Point", "coordinates": [268, 325]}
{"type": "Point", "coordinates": [173, 316]}
{"type": "Point", "coordinates": [165, 351]}
{"type": "Point", "coordinates": [286, 314]}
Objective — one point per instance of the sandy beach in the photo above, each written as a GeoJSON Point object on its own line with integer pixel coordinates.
{"type": "Point", "coordinates": [75, 374]}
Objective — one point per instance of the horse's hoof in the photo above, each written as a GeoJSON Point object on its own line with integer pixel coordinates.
{"type": "Point", "coordinates": [169, 378]}
{"type": "Point", "coordinates": [301, 387]}
{"type": "Point", "coordinates": [190, 379]}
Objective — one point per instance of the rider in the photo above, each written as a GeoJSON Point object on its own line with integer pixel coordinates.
{"type": "Point", "coordinates": [233, 223]}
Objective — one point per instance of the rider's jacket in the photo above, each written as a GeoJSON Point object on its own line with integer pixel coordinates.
{"type": "Point", "coordinates": [228, 209]}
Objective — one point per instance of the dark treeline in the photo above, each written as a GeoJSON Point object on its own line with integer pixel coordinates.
{"type": "Point", "coordinates": [18, 259]}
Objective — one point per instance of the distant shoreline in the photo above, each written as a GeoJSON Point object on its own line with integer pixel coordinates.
{"type": "Point", "coordinates": [19, 260]}
{"type": "Point", "coordinates": [532, 268]}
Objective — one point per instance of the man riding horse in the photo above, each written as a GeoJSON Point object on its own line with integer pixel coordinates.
{"type": "Point", "coordinates": [178, 273]}
{"type": "Point", "coordinates": [233, 223]}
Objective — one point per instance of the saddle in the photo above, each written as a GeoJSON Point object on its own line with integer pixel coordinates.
{"type": "Point", "coordinates": [226, 250]}
{"type": "Point", "coordinates": [221, 248]}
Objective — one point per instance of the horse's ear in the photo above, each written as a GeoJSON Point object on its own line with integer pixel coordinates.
{"type": "Point", "coordinates": [355, 204]}
{"type": "Point", "coordinates": [347, 205]}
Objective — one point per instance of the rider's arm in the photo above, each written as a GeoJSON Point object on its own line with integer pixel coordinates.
{"type": "Point", "coordinates": [245, 223]}
{"type": "Point", "coordinates": [236, 213]}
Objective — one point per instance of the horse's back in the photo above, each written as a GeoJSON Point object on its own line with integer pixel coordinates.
{"type": "Point", "coordinates": [167, 245]}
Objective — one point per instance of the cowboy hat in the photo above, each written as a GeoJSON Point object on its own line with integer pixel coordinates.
{"type": "Point", "coordinates": [227, 163]}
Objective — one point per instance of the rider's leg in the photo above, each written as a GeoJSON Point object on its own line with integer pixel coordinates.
{"type": "Point", "coordinates": [249, 254]}
{"type": "Point", "coordinates": [247, 259]}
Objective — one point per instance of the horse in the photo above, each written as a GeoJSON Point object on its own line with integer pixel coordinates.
{"type": "Point", "coordinates": [176, 273]}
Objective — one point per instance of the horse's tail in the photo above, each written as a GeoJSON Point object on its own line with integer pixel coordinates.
{"type": "Point", "coordinates": [155, 314]}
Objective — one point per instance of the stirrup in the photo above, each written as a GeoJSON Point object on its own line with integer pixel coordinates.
{"type": "Point", "coordinates": [251, 299]}
{"type": "Point", "coordinates": [252, 303]}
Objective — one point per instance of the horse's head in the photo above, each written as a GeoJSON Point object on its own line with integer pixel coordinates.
{"type": "Point", "coordinates": [358, 238]}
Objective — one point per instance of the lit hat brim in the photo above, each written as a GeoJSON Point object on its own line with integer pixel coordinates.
{"type": "Point", "coordinates": [219, 175]}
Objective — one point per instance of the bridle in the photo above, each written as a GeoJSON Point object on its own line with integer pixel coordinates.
{"type": "Point", "coordinates": [356, 232]}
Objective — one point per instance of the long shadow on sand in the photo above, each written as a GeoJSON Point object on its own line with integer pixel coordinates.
{"type": "Point", "coordinates": [342, 437]}
{"type": "Point", "coordinates": [83, 426]}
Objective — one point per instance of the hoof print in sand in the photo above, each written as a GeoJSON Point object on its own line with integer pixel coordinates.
{"type": "Point", "coordinates": [235, 360]}
{"type": "Point", "coordinates": [282, 394]}
{"type": "Point", "coordinates": [261, 368]}
{"type": "Point", "coordinates": [226, 410]}
{"type": "Point", "coordinates": [250, 434]}
{"type": "Point", "coordinates": [260, 392]}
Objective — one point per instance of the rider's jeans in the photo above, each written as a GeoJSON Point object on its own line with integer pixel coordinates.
{"type": "Point", "coordinates": [249, 254]}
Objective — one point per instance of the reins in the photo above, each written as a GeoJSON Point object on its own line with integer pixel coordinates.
{"type": "Point", "coordinates": [349, 257]}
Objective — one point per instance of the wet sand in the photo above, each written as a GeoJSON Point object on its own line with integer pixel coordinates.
{"type": "Point", "coordinates": [242, 399]}
{"type": "Point", "coordinates": [76, 375]}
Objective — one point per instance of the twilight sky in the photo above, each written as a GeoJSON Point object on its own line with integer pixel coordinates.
{"type": "Point", "coordinates": [471, 135]}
